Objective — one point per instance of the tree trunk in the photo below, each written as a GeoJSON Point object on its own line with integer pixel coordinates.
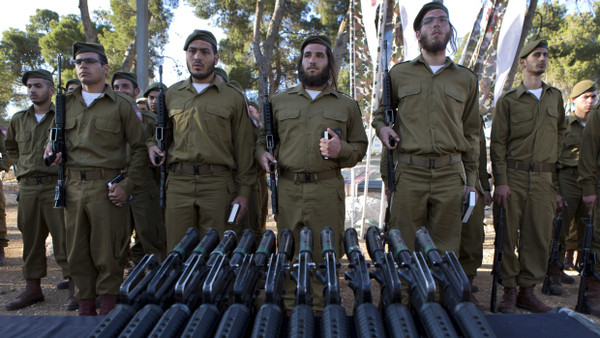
{"type": "Point", "coordinates": [526, 27]}
{"type": "Point", "coordinates": [341, 43]}
{"type": "Point", "coordinates": [131, 52]}
{"type": "Point", "coordinates": [88, 26]}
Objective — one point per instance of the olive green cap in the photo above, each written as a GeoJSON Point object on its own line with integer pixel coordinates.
{"type": "Point", "coordinates": [222, 73]}
{"type": "Point", "coordinates": [530, 47]}
{"type": "Point", "coordinates": [155, 86]}
{"type": "Point", "coordinates": [83, 47]}
{"type": "Point", "coordinates": [583, 87]}
{"type": "Point", "coordinates": [73, 81]}
{"type": "Point", "coordinates": [320, 39]}
{"type": "Point", "coordinates": [425, 9]}
{"type": "Point", "coordinates": [125, 75]}
{"type": "Point", "coordinates": [38, 73]}
{"type": "Point", "coordinates": [200, 34]}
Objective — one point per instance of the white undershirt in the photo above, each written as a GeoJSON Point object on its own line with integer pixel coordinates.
{"type": "Point", "coordinates": [536, 92]}
{"type": "Point", "coordinates": [39, 117]}
{"type": "Point", "coordinates": [434, 69]}
{"type": "Point", "coordinates": [313, 93]}
{"type": "Point", "coordinates": [200, 87]}
{"type": "Point", "coordinates": [89, 97]}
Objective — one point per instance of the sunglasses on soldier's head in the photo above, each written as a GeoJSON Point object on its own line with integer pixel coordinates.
{"type": "Point", "coordinates": [89, 61]}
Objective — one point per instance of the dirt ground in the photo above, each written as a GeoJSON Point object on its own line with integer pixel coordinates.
{"type": "Point", "coordinates": [11, 282]}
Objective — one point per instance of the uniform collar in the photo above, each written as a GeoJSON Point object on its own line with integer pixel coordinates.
{"type": "Point", "coordinates": [300, 90]}
{"type": "Point", "coordinates": [108, 91]}
{"type": "Point", "coordinates": [420, 59]}
{"type": "Point", "coordinates": [571, 119]}
{"type": "Point", "coordinates": [522, 90]}
{"type": "Point", "coordinates": [31, 111]}
{"type": "Point", "coordinates": [188, 84]}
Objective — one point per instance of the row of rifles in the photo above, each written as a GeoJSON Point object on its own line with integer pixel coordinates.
{"type": "Point", "coordinates": [210, 288]}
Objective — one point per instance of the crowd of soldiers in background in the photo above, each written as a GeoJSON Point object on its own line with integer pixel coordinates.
{"type": "Point", "coordinates": [217, 157]}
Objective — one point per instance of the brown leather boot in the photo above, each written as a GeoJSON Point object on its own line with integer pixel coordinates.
{"type": "Point", "coordinates": [32, 294]}
{"type": "Point", "coordinates": [107, 303]}
{"type": "Point", "coordinates": [509, 300]}
{"type": "Point", "coordinates": [568, 262]}
{"type": "Point", "coordinates": [527, 300]}
{"type": "Point", "coordinates": [87, 307]}
{"type": "Point", "coordinates": [555, 281]}
{"type": "Point", "coordinates": [2, 257]}
{"type": "Point", "coordinates": [593, 296]}
{"type": "Point", "coordinates": [71, 300]}
{"type": "Point", "coordinates": [472, 298]}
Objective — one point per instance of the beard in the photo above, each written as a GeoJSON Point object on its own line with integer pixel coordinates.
{"type": "Point", "coordinates": [434, 46]}
{"type": "Point", "coordinates": [202, 76]}
{"type": "Point", "coordinates": [316, 80]}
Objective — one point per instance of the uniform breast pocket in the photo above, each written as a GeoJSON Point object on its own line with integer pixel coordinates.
{"type": "Point", "coordinates": [25, 142]}
{"type": "Point", "coordinates": [288, 123]}
{"type": "Point", "coordinates": [408, 99]}
{"type": "Point", "coordinates": [179, 123]}
{"type": "Point", "coordinates": [335, 120]}
{"type": "Point", "coordinates": [552, 120]}
{"type": "Point", "coordinates": [520, 122]}
{"type": "Point", "coordinates": [107, 133]}
{"type": "Point", "coordinates": [455, 99]}
{"type": "Point", "coordinates": [217, 122]}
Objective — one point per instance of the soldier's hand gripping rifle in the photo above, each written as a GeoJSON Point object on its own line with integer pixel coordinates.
{"type": "Point", "coordinates": [397, 316]}
{"type": "Point", "coordinates": [161, 119]}
{"type": "Point", "coordinates": [217, 287]}
{"type": "Point", "coordinates": [302, 320]}
{"type": "Point", "coordinates": [334, 316]}
{"type": "Point", "coordinates": [586, 265]}
{"type": "Point", "coordinates": [270, 144]}
{"type": "Point", "coordinates": [455, 289]}
{"type": "Point", "coordinates": [269, 317]}
{"type": "Point", "coordinates": [553, 262]}
{"type": "Point", "coordinates": [238, 316]}
{"type": "Point", "coordinates": [58, 142]}
{"type": "Point", "coordinates": [414, 270]}
{"type": "Point", "coordinates": [366, 316]}
{"type": "Point", "coordinates": [497, 264]}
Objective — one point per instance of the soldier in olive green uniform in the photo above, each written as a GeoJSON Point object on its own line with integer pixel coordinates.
{"type": "Point", "coordinates": [210, 149]}
{"type": "Point", "coordinates": [311, 187]}
{"type": "Point", "coordinates": [589, 169]}
{"type": "Point", "coordinates": [437, 133]}
{"type": "Point", "coordinates": [5, 164]}
{"type": "Point", "coordinates": [569, 200]}
{"type": "Point", "coordinates": [27, 135]}
{"type": "Point", "coordinates": [527, 136]}
{"type": "Point", "coordinates": [146, 215]}
{"type": "Point", "coordinates": [473, 234]}
{"type": "Point", "coordinates": [99, 122]}
{"type": "Point", "coordinates": [72, 84]}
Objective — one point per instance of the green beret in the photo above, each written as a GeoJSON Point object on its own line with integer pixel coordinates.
{"type": "Point", "coordinates": [582, 88]}
{"type": "Point", "coordinates": [425, 9]}
{"type": "Point", "coordinates": [222, 73]}
{"type": "Point", "coordinates": [320, 39]}
{"type": "Point", "coordinates": [125, 75]}
{"type": "Point", "coordinates": [38, 73]}
{"type": "Point", "coordinates": [73, 81]}
{"type": "Point", "coordinates": [199, 34]}
{"type": "Point", "coordinates": [155, 86]}
{"type": "Point", "coordinates": [88, 47]}
{"type": "Point", "coordinates": [530, 47]}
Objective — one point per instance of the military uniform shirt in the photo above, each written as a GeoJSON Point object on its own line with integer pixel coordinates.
{"type": "Point", "coordinates": [570, 152]}
{"type": "Point", "coordinates": [438, 114]}
{"type": "Point", "coordinates": [589, 159]}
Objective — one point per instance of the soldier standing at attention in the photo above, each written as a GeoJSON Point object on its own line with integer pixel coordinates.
{"type": "Point", "coordinates": [437, 133]}
{"type": "Point", "coordinates": [72, 84]}
{"type": "Point", "coordinates": [311, 188]}
{"type": "Point", "coordinates": [151, 94]}
{"type": "Point", "coordinates": [527, 137]}
{"type": "Point", "coordinates": [98, 123]}
{"type": "Point", "coordinates": [210, 148]}
{"type": "Point", "coordinates": [26, 139]}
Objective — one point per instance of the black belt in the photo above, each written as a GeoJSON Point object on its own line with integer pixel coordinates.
{"type": "Point", "coordinates": [92, 174]}
{"type": "Point", "coordinates": [429, 162]}
{"type": "Point", "coordinates": [38, 180]}
{"type": "Point", "coordinates": [200, 169]}
{"type": "Point", "coordinates": [539, 168]}
{"type": "Point", "coordinates": [304, 177]}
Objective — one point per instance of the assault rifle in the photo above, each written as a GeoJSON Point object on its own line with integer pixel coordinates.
{"type": "Point", "coordinates": [58, 140]}
{"type": "Point", "coordinates": [389, 120]}
{"type": "Point", "coordinates": [366, 316]}
{"type": "Point", "coordinates": [455, 288]}
{"type": "Point", "coordinates": [397, 316]}
{"type": "Point", "coordinates": [496, 273]}
{"type": "Point", "coordinates": [237, 318]}
{"type": "Point", "coordinates": [302, 320]}
{"type": "Point", "coordinates": [161, 119]}
{"type": "Point", "coordinates": [216, 288]}
{"type": "Point", "coordinates": [553, 262]}
{"type": "Point", "coordinates": [586, 265]}
{"type": "Point", "coordinates": [334, 316]}
{"type": "Point", "coordinates": [414, 270]}
{"type": "Point", "coordinates": [269, 317]}
{"type": "Point", "coordinates": [270, 144]}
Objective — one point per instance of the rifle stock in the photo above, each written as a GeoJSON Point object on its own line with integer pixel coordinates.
{"type": "Point", "coordinates": [553, 261]}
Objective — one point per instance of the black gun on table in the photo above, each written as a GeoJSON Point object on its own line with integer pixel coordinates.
{"type": "Point", "coordinates": [366, 316]}
{"type": "Point", "coordinates": [455, 288]}
{"type": "Point", "coordinates": [334, 323]}
{"type": "Point", "coordinates": [216, 287]}
{"type": "Point", "coordinates": [161, 140]}
{"type": "Point", "coordinates": [268, 320]}
{"type": "Point", "coordinates": [160, 289]}
{"type": "Point", "coordinates": [58, 141]}
{"type": "Point", "coordinates": [237, 318]}
{"type": "Point", "coordinates": [302, 319]}
{"type": "Point", "coordinates": [497, 264]}
{"type": "Point", "coordinates": [414, 270]}
{"type": "Point", "coordinates": [270, 144]}
{"type": "Point", "coordinates": [554, 262]}
{"type": "Point", "coordinates": [397, 316]}
{"type": "Point", "coordinates": [586, 265]}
